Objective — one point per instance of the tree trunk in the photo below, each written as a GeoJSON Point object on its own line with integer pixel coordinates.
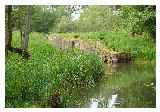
{"type": "Point", "coordinates": [8, 25]}
{"type": "Point", "coordinates": [6, 28]}
{"type": "Point", "coordinates": [20, 27]}
{"type": "Point", "coordinates": [27, 28]}
{"type": "Point", "coordinates": [21, 33]}
{"type": "Point", "coordinates": [8, 32]}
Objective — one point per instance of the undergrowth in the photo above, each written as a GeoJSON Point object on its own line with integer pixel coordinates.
{"type": "Point", "coordinates": [32, 82]}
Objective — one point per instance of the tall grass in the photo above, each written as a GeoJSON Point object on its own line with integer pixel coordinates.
{"type": "Point", "coordinates": [140, 46]}
{"type": "Point", "coordinates": [32, 82]}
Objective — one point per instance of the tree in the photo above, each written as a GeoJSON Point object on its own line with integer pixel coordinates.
{"type": "Point", "coordinates": [138, 19]}
{"type": "Point", "coordinates": [43, 18]}
{"type": "Point", "coordinates": [27, 28]}
{"type": "Point", "coordinates": [19, 13]}
{"type": "Point", "coordinates": [10, 17]}
{"type": "Point", "coordinates": [97, 18]}
{"type": "Point", "coordinates": [8, 32]}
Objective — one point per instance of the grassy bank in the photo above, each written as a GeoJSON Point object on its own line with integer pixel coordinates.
{"type": "Point", "coordinates": [141, 47]}
{"type": "Point", "coordinates": [32, 83]}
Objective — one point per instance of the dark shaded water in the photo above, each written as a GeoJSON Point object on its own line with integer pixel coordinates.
{"type": "Point", "coordinates": [124, 85]}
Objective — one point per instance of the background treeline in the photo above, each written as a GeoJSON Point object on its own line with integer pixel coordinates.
{"type": "Point", "coordinates": [134, 21]}
{"type": "Point", "coordinates": [61, 19]}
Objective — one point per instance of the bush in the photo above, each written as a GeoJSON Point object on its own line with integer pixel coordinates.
{"type": "Point", "coordinates": [32, 82]}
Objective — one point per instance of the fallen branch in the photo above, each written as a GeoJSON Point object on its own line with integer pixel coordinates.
{"type": "Point", "coordinates": [20, 51]}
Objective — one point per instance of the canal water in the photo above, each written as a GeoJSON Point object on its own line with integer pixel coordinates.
{"type": "Point", "coordinates": [122, 86]}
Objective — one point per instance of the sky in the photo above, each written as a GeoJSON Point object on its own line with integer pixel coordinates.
{"type": "Point", "coordinates": [76, 14]}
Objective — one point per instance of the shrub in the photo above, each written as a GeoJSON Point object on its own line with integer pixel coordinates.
{"type": "Point", "coordinates": [33, 82]}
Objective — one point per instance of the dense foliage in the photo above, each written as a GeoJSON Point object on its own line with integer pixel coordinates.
{"type": "Point", "coordinates": [130, 19]}
{"type": "Point", "coordinates": [97, 18]}
{"type": "Point", "coordinates": [141, 47]}
{"type": "Point", "coordinates": [137, 19]}
{"type": "Point", "coordinates": [32, 82]}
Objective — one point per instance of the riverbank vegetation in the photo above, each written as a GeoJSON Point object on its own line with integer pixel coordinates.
{"type": "Point", "coordinates": [34, 81]}
{"type": "Point", "coordinates": [141, 47]}
{"type": "Point", "coordinates": [38, 74]}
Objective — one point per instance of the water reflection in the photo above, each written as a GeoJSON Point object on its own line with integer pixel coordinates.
{"type": "Point", "coordinates": [94, 103]}
{"type": "Point", "coordinates": [112, 101]}
{"type": "Point", "coordinates": [127, 85]}
{"type": "Point", "coordinates": [124, 85]}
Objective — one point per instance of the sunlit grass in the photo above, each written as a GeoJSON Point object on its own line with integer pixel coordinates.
{"type": "Point", "coordinates": [139, 46]}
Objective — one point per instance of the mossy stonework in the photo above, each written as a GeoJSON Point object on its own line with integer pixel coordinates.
{"type": "Point", "coordinates": [107, 56]}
